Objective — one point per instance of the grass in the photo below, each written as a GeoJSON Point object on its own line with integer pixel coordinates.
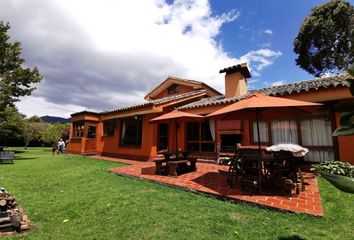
{"type": "Point", "coordinates": [100, 205]}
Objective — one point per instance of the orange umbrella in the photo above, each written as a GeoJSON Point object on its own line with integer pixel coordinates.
{"type": "Point", "coordinates": [176, 114]}
{"type": "Point", "coordinates": [260, 106]}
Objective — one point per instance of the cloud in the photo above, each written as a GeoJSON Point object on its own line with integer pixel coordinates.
{"type": "Point", "coordinates": [260, 59]}
{"type": "Point", "coordinates": [268, 31]}
{"type": "Point", "coordinates": [278, 83]}
{"type": "Point", "coordinates": [106, 54]}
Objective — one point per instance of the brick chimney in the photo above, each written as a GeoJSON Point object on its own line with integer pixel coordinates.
{"type": "Point", "coordinates": [236, 80]}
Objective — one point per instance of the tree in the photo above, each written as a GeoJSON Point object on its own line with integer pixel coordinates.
{"type": "Point", "coordinates": [11, 124]}
{"type": "Point", "coordinates": [53, 133]}
{"type": "Point", "coordinates": [65, 134]}
{"type": "Point", "coordinates": [15, 80]}
{"type": "Point", "coordinates": [325, 42]}
{"type": "Point", "coordinates": [33, 129]}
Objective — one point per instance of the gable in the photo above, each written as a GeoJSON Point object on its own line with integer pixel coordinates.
{"type": "Point", "coordinates": [174, 86]}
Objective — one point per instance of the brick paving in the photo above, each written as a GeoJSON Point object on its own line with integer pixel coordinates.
{"type": "Point", "coordinates": [212, 179]}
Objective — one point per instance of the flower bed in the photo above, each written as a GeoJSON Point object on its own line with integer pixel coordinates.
{"type": "Point", "coordinates": [340, 174]}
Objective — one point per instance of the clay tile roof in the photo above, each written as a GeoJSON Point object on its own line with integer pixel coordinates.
{"type": "Point", "coordinates": [242, 68]}
{"type": "Point", "coordinates": [85, 112]}
{"type": "Point", "coordinates": [159, 101]}
{"type": "Point", "coordinates": [286, 89]}
{"type": "Point", "coordinates": [309, 85]}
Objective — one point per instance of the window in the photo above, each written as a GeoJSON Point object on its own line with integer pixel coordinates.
{"type": "Point", "coordinates": [108, 128]}
{"type": "Point", "coordinates": [78, 129]}
{"type": "Point", "coordinates": [199, 137]}
{"type": "Point", "coordinates": [131, 131]}
{"type": "Point", "coordinates": [284, 131]}
{"type": "Point", "coordinates": [313, 132]}
{"type": "Point", "coordinates": [91, 132]}
{"type": "Point", "coordinates": [263, 132]}
{"type": "Point", "coordinates": [316, 135]}
{"type": "Point", "coordinates": [174, 88]}
{"type": "Point", "coordinates": [162, 137]}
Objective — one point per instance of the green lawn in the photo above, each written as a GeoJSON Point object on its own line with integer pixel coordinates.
{"type": "Point", "coordinates": [100, 205]}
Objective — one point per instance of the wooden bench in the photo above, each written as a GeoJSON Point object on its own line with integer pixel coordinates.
{"type": "Point", "coordinates": [7, 156]}
{"type": "Point", "coordinates": [172, 166]}
{"type": "Point", "coordinates": [161, 164]}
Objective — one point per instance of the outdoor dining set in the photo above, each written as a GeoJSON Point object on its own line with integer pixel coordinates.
{"type": "Point", "coordinates": [175, 163]}
{"type": "Point", "coordinates": [275, 168]}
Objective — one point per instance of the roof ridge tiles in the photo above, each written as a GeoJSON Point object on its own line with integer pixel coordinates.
{"type": "Point", "coordinates": [157, 101]}
{"type": "Point", "coordinates": [289, 88]}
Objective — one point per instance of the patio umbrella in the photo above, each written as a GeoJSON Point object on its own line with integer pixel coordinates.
{"type": "Point", "coordinates": [260, 106]}
{"type": "Point", "coordinates": [176, 114]}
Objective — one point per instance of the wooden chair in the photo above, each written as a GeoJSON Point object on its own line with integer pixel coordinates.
{"type": "Point", "coordinates": [235, 168]}
{"type": "Point", "coordinates": [251, 169]}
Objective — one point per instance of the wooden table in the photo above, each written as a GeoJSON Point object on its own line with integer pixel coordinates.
{"type": "Point", "coordinates": [174, 160]}
{"type": "Point", "coordinates": [168, 155]}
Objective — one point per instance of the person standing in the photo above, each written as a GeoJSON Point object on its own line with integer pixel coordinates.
{"type": "Point", "coordinates": [61, 145]}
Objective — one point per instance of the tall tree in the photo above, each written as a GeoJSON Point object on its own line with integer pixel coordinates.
{"type": "Point", "coordinates": [325, 42]}
{"type": "Point", "coordinates": [11, 124]}
{"type": "Point", "coordinates": [33, 129]}
{"type": "Point", "coordinates": [54, 132]}
{"type": "Point", "coordinates": [15, 80]}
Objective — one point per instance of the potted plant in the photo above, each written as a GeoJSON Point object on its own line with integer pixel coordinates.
{"type": "Point", "coordinates": [340, 174]}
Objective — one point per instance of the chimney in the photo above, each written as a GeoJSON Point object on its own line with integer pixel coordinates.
{"type": "Point", "coordinates": [235, 80]}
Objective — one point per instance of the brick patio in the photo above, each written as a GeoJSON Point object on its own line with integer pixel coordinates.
{"type": "Point", "coordinates": [212, 180]}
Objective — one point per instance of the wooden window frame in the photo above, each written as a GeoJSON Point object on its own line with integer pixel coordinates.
{"type": "Point", "coordinates": [159, 136]}
{"type": "Point", "coordinates": [199, 141]}
{"type": "Point", "coordinates": [174, 88]}
{"type": "Point", "coordinates": [88, 132]}
{"type": "Point", "coordinates": [106, 133]}
{"type": "Point", "coordinates": [76, 133]}
{"type": "Point", "coordinates": [138, 133]}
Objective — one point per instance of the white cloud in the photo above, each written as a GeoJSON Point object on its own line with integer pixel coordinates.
{"type": "Point", "coordinates": [107, 54]}
{"type": "Point", "coordinates": [268, 31]}
{"type": "Point", "coordinates": [278, 83]}
{"type": "Point", "coordinates": [260, 59]}
{"type": "Point", "coordinates": [40, 107]}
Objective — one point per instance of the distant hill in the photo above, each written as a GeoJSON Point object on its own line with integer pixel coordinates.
{"type": "Point", "coordinates": [52, 119]}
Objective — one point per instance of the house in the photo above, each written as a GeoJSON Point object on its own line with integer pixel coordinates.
{"type": "Point", "coordinates": [126, 132]}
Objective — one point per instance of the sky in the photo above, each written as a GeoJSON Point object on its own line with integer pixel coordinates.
{"type": "Point", "coordinates": [101, 55]}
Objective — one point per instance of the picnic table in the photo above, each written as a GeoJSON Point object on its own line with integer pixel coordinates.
{"type": "Point", "coordinates": [277, 167]}
{"type": "Point", "coordinates": [175, 163]}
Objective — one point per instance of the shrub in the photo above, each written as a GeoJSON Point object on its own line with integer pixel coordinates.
{"type": "Point", "coordinates": [337, 167]}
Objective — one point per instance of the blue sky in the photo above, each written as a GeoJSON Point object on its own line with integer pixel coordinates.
{"type": "Point", "coordinates": [283, 18]}
{"type": "Point", "coordinates": [101, 55]}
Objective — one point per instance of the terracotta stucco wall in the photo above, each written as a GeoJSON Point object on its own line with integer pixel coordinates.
{"type": "Point", "coordinates": [110, 146]}
{"type": "Point", "coordinates": [345, 145]}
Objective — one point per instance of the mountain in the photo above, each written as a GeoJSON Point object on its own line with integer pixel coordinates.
{"type": "Point", "coordinates": [52, 119]}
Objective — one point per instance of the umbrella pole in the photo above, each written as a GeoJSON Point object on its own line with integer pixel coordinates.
{"type": "Point", "coordinates": [176, 134]}
{"type": "Point", "coordinates": [259, 152]}
{"type": "Point", "coordinates": [258, 134]}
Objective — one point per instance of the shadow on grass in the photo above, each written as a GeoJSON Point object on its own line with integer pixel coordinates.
{"type": "Point", "coordinates": [26, 158]}
{"type": "Point", "coordinates": [18, 151]}
{"type": "Point", "coordinates": [294, 237]}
